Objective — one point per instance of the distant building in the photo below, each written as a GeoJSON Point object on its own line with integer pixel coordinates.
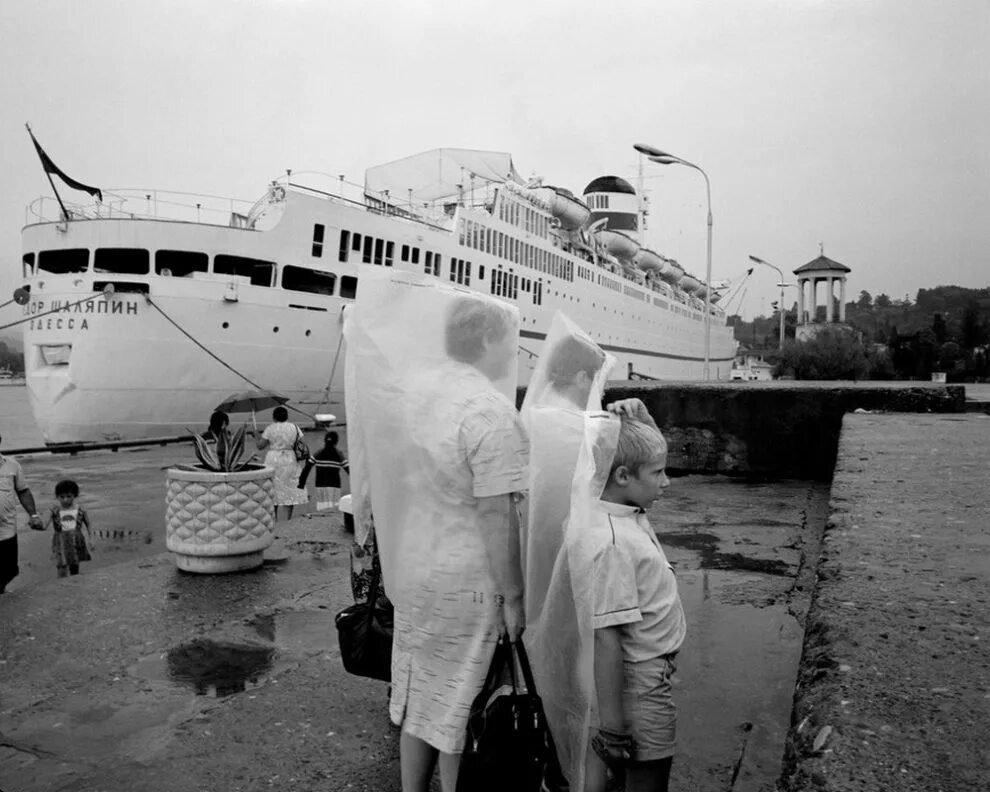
{"type": "Point", "coordinates": [749, 366]}
{"type": "Point", "coordinates": [821, 270]}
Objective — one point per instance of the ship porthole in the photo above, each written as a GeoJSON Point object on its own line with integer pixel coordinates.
{"type": "Point", "coordinates": [275, 329]}
{"type": "Point", "coordinates": [308, 332]}
{"type": "Point", "coordinates": [225, 325]}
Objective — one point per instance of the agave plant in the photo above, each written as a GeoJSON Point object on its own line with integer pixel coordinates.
{"type": "Point", "coordinates": [225, 456]}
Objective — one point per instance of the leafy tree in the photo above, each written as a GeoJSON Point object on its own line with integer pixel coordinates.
{"type": "Point", "coordinates": [832, 353]}
{"type": "Point", "coordinates": [865, 301]}
{"type": "Point", "coordinates": [882, 301]}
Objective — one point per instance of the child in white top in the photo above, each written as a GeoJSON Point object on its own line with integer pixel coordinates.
{"type": "Point", "coordinates": [638, 619]}
{"type": "Point", "coordinates": [72, 539]}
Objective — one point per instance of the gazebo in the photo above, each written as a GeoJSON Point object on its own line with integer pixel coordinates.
{"type": "Point", "coordinates": [820, 270]}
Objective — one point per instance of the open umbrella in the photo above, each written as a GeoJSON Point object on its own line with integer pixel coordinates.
{"type": "Point", "coordinates": [251, 400]}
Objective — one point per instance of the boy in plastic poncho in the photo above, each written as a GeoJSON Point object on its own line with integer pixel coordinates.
{"type": "Point", "coordinates": [637, 615]}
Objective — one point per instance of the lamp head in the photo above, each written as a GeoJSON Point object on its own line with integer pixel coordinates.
{"type": "Point", "coordinates": [757, 260]}
{"type": "Point", "coordinates": [649, 151]}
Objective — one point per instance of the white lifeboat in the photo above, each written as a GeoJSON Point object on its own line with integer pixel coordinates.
{"type": "Point", "coordinates": [620, 245]}
{"type": "Point", "coordinates": [673, 272]}
{"type": "Point", "coordinates": [648, 261]}
{"type": "Point", "coordinates": [688, 283]}
{"type": "Point", "coordinates": [569, 211]}
{"type": "Point", "coordinates": [701, 291]}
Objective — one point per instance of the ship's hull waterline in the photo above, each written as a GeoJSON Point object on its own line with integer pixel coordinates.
{"type": "Point", "coordinates": [157, 351]}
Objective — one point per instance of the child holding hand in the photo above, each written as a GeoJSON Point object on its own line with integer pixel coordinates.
{"type": "Point", "coordinates": [72, 539]}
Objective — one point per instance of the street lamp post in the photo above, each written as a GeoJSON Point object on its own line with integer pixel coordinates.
{"type": "Point", "coordinates": [782, 286]}
{"type": "Point", "coordinates": [663, 158]}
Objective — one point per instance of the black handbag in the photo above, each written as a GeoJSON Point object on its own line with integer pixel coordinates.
{"type": "Point", "coordinates": [364, 631]}
{"type": "Point", "coordinates": [299, 447]}
{"type": "Point", "coordinates": [509, 746]}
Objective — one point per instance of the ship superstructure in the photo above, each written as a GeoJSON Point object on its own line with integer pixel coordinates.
{"type": "Point", "coordinates": [141, 323]}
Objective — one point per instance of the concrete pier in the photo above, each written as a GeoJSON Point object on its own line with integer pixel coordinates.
{"type": "Point", "coordinates": [894, 688]}
{"type": "Point", "coordinates": [889, 687]}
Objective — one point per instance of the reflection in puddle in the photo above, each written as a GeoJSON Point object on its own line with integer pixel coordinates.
{"type": "Point", "coordinates": [706, 545]}
{"type": "Point", "coordinates": [219, 668]}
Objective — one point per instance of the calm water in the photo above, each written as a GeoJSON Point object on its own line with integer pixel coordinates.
{"type": "Point", "coordinates": [16, 422]}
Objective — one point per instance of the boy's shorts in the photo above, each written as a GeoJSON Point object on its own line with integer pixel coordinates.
{"type": "Point", "coordinates": [649, 708]}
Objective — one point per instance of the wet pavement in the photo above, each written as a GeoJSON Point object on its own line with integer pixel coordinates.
{"type": "Point", "coordinates": [136, 676]}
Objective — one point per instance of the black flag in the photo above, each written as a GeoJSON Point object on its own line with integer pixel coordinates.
{"type": "Point", "coordinates": [50, 167]}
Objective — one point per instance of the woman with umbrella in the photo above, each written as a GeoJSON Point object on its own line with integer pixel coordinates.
{"type": "Point", "coordinates": [280, 439]}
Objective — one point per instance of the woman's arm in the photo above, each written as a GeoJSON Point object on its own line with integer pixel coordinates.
{"type": "Point", "coordinates": [500, 531]}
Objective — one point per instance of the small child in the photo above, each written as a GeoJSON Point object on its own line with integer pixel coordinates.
{"type": "Point", "coordinates": [638, 619]}
{"type": "Point", "coordinates": [328, 462]}
{"type": "Point", "coordinates": [72, 540]}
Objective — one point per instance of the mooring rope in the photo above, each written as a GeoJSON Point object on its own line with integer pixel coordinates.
{"type": "Point", "coordinates": [216, 357]}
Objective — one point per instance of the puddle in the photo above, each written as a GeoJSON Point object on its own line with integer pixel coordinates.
{"type": "Point", "coordinates": [219, 667]}
{"type": "Point", "coordinates": [706, 545]}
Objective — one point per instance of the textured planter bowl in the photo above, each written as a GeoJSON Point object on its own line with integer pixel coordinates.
{"type": "Point", "coordinates": [219, 522]}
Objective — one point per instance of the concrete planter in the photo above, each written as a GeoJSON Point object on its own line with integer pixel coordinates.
{"type": "Point", "coordinates": [219, 522]}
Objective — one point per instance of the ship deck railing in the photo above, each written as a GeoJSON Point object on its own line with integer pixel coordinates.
{"type": "Point", "coordinates": [146, 204]}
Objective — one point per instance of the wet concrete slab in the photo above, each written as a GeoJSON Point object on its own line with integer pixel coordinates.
{"type": "Point", "coordinates": [136, 676]}
{"type": "Point", "coordinates": [894, 685]}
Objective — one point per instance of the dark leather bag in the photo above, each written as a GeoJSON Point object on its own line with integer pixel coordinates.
{"type": "Point", "coordinates": [509, 746]}
{"type": "Point", "coordinates": [364, 631]}
{"type": "Point", "coordinates": [299, 447]}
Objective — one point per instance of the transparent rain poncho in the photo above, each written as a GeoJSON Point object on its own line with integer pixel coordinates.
{"type": "Point", "coordinates": [562, 640]}
{"type": "Point", "coordinates": [562, 414]}
{"type": "Point", "coordinates": [396, 368]}
{"type": "Point", "coordinates": [430, 379]}
{"type": "Point", "coordinates": [568, 381]}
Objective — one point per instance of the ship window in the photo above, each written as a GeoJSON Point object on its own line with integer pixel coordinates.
{"type": "Point", "coordinates": [318, 230]}
{"type": "Point", "coordinates": [389, 253]}
{"type": "Point", "coordinates": [127, 261]}
{"type": "Point", "coordinates": [348, 286]}
{"type": "Point", "coordinates": [428, 263]}
{"type": "Point", "coordinates": [260, 272]}
{"type": "Point", "coordinates": [368, 244]}
{"type": "Point", "coordinates": [27, 264]}
{"type": "Point", "coordinates": [356, 243]}
{"type": "Point", "coordinates": [379, 249]}
{"type": "Point", "coordinates": [437, 269]}
{"type": "Point", "coordinates": [180, 263]}
{"type": "Point", "coordinates": [481, 272]}
{"type": "Point", "coordinates": [62, 261]}
{"type": "Point", "coordinates": [304, 279]}
{"type": "Point", "coordinates": [415, 255]}
{"type": "Point", "coordinates": [404, 255]}
{"type": "Point", "coordinates": [345, 243]}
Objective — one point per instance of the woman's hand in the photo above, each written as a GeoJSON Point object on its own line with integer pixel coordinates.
{"type": "Point", "coordinates": [513, 618]}
{"type": "Point", "coordinates": [634, 409]}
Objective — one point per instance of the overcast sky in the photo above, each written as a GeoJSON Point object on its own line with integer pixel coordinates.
{"type": "Point", "coordinates": [860, 124]}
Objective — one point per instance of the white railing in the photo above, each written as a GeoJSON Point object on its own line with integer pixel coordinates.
{"type": "Point", "coordinates": [138, 204]}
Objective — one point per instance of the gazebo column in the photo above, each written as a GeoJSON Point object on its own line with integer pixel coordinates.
{"type": "Point", "coordinates": [842, 299]}
{"type": "Point", "coordinates": [829, 300]}
{"type": "Point", "coordinates": [814, 300]}
{"type": "Point", "coordinates": [801, 283]}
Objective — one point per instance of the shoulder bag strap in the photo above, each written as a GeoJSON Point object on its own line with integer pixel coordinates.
{"type": "Point", "coordinates": [520, 653]}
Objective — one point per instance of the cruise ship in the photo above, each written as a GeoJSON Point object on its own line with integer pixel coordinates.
{"type": "Point", "coordinates": [145, 310]}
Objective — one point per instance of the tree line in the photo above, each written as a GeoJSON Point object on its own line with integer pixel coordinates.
{"type": "Point", "coordinates": [945, 329]}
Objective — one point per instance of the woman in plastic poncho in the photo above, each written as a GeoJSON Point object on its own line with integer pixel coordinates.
{"type": "Point", "coordinates": [469, 460]}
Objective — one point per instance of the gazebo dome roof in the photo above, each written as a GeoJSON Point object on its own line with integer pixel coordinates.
{"type": "Point", "coordinates": [822, 263]}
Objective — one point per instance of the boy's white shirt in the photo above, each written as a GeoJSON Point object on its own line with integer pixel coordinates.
{"type": "Point", "coordinates": [634, 585]}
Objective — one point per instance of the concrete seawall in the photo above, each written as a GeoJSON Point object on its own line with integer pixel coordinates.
{"type": "Point", "coordinates": [775, 429]}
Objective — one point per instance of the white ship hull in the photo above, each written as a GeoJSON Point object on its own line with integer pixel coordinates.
{"type": "Point", "coordinates": [155, 357]}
